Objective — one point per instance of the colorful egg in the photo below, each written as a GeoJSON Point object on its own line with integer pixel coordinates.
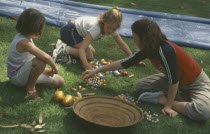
{"type": "Point", "coordinates": [58, 95]}
{"type": "Point", "coordinates": [73, 89]}
{"type": "Point", "coordinates": [80, 86]}
{"type": "Point", "coordinates": [102, 60]}
{"type": "Point", "coordinates": [83, 89]}
{"type": "Point", "coordinates": [124, 73]}
{"type": "Point", "coordinates": [68, 100]}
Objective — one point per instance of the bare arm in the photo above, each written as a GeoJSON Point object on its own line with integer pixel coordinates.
{"type": "Point", "coordinates": [125, 47]}
{"type": "Point", "coordinates": [26, 46]}
{"type": "Point", "coordinates": [82, 51]}
{"type": "Point", "coordinates": [113, 66]}
{"type": "Point", "coordinates": [172, 91]}
{"type": "Point", "coordinates": [122, 45]}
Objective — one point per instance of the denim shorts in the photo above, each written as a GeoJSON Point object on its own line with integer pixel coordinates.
{"type": "Point", "coordinates": [69, 34]}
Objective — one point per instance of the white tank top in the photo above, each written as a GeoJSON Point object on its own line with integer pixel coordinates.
{"type": "Point", "coordinates": [15, 59]}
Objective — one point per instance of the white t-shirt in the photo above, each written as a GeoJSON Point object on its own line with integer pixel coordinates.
{"type": "Point", "coordinates": [85, 25]}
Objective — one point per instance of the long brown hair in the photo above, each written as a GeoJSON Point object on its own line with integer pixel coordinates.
{"type": "Point", "coordinates": [31, 21]}
{"type": "Point", "coordinates": [150, 35]}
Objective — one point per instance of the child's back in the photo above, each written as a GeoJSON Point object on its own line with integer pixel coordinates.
{"type": "Point", "coordinates": [16, 59]}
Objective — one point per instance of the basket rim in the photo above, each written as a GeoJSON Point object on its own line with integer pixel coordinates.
{"type": "Point", "coordinates": [109, 97]}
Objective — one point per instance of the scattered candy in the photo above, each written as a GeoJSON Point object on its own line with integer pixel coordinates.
{"type": "Point", "coordinates": [147, 115]}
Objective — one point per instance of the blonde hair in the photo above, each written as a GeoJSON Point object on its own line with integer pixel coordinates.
{"type": "Point", "coordinates": [112, 16]}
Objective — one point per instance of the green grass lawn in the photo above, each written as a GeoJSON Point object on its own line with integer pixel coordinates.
{"type": "Point", "coordinates": [16, 108]}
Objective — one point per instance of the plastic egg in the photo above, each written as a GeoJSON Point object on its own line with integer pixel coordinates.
{"type": "Point", "coordinates": [79, 95]}
{"type": "Point", "coordinates": [102, 60]}
{"type": "Point", "coordinates": [124, 73]}
{"type": "Point", "coordinates": [73, 89]}
{"type": "Point", "coordinates": [83, 89]}
{"type": "Point", "coordinates": [91, 62]}
{"type": "Point", "coordinates": [68, 100]}
{"type": "Point", "coordinates": [105, 63]}
{"type": "Point", "coordinates": [96, 64]}
{"type": "Point", "coordinates": [58, 95]}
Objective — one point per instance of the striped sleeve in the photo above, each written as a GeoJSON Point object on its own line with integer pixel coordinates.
{"type": "Point", "coordinates": [168, 56]}
{"type": "Point", "coordinates": [133, 59]}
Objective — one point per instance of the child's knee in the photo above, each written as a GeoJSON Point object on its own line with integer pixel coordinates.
{"type": "Point", "coordinates": [198, 111]}
{"type": "Point", "coordinates": [58, 81]}
{"type": "Point", "coordinates": [38, 63]}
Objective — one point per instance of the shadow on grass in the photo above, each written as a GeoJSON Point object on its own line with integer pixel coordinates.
{"type": "Point", "coordinates": [13, 95]}
{"type": "Point", "coordinates": [10, 94]}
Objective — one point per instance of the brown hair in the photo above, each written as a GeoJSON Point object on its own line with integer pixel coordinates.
{"type": "Point", "coordinates": [113, 16]}
{"type": "Point", "coordinates": [150, 35]}
{"type": "Point", "coordinates": [31, 21]}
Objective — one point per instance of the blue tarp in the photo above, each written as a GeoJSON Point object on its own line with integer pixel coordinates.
{"type": "Point", "coordinates": [181, 29]}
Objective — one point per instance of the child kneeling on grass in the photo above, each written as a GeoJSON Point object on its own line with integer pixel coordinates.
{"type": "Point", "coordinates": [178, 72]}
{"type": "Point", "coordinates": [26, 62]}
{"type": "Point", "coordinates": [78, 34]}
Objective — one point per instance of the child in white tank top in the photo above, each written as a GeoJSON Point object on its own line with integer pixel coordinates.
{"type": "Point", "coordinates": [26, 62]}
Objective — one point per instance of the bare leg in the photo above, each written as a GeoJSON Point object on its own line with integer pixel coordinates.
{"type": "Point", "coordinates": [90, 51]}
{"type": "Point", "coordinates": [74, 52]}
{"type": "Point", "coordinates": [58, 81]}
{"type": "Point", "coordinates": [38, 68]}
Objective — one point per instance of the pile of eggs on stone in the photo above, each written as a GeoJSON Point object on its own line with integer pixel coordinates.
{"type": "Point", "coordinates": [153, 117]}
{"type": "Point", "coordinates": [66, 100]}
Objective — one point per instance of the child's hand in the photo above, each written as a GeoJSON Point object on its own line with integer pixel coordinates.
{"type": "Point", "coordinates": [88, 67]}
{"type": "Point", "coordinates": [169, 111]}
{"type": "Point", "coordinates": [88, 74]}
{"type": "Point", "coordinates": [49, 72]}
{"type": "Point", "coordinates": [55, 71]}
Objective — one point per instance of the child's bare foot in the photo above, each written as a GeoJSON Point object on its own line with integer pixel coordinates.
{"type": "Point", "coordinates": [33, 93]}
{"type": "Point", "coordinates": [162, 100]}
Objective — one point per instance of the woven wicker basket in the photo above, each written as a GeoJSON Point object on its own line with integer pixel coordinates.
{"type": "Point", "coordinates": [108, 111]}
